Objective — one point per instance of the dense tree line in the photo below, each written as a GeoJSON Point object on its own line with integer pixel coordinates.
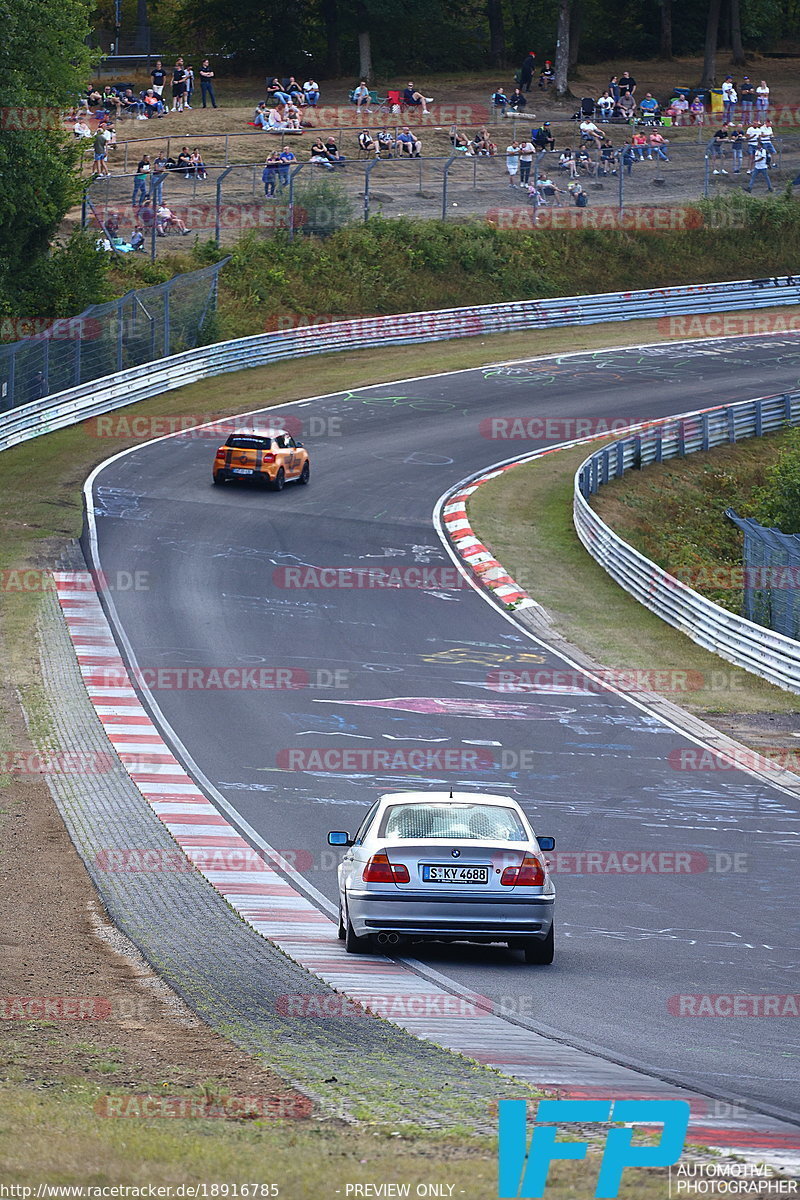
{"type": "Point", "coordinates": [336, 37]}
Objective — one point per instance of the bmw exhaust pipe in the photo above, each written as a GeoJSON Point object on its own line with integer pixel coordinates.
{"type": "Point", "coordinates": [388, 939]}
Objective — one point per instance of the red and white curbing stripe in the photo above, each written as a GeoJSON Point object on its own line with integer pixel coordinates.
{"type": "Point", "coordinates": [280, 913]}
{"type": "Point", "coordinates": [478, 558]}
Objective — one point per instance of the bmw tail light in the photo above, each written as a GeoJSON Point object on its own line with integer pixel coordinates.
{"type": "Point", "coordinates": [529, 873]}
{"type": "Point", "coordinates": [380, 870]}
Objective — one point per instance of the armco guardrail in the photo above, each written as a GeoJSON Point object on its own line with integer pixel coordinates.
{"type": "Point", "coordinates": [771, 655]}
{"type": "Point", "coordinates": [115, 391]}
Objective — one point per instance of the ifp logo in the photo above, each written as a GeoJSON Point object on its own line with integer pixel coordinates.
{"type": "Point", "coordinates": [523, 1168]}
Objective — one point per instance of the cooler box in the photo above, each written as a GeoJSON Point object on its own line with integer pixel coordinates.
{"type": "Point", "coordinates": [666, 121]}
{"type": "Point", "coordinates": [717, 102]}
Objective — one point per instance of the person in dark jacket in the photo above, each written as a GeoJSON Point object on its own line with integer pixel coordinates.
{"type": "Point", "coordinates": [526, 71]}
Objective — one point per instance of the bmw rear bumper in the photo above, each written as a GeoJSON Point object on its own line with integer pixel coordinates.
{"type": "Point", "coordinates": [487, 919]}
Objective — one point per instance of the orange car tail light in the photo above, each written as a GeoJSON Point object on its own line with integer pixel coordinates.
{"type": "Point", "coordinates": [268, 458]}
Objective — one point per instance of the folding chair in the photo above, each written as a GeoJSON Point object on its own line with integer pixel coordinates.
{"type": "Point", "coordinates": [393, 103]}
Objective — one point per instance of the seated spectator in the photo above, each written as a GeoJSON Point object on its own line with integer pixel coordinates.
{"type": "Point", "coordinates": [590, 133]}
{"type": "Point", "coordinates": [627, 105]}
{"type": "Point", "coordinates": [567, 162]}
{"type": "Point", "coordinates": [261, 115]}
{"type": "Point", "coordinates": [649, 108]}
{"type": "Point", "coordinates": [81, 130]}
{"type": "Point", "coordinates": [658, 146]}
{"type": "Point", "coordinates": [605, 107]}
{"type": "Point", "coordinates": [276, 91]}
{"type": "Point", "coordinates": [409, 143]}
{"type": "Point", "coordinates": [311, 90]}
{"type": "Point", "coordinates": [367, 144]}
{"type": "Point", "coordinates": [542, 138]}
{"type": "Point", "coordinates": [458, 140]}
{"type": "Point", "coordinates": [641, 146]}
{"type": "Point", "coordinates": [578, 194]}
{"type": "Point", "coordinates": [198, 166]}
{"type": "Point", "coordinates": [361, 97]}
{"type": "Point", "coordinates": [607, 158]}
{"type": "Point", "coordinates": [295, 91]}
{"type": "Point", "coordinates": [132, 104]}
{"type": "Point", "coordinates": [153, 104]}
{"type": "Point", "coordinates": [183, 163]}
{"type": "Point", "coordinates": [319, 154]}
{"type": "Point", "coordinates": [500, 100]}
{"type": "Point", "coordinates": [386, 143]}
{"type": "Point", "coordinates": [279, 120]}
{"type": "Point", "coordinates": [697, 110]}
{"type": "Point", "coordinates": [517, 100]}
{"type": "Point", "coordinates": [481, 144]}
{"type": "Point", "coordinates": [111, 100]}
{"type": "Point", "coordinates": [586, 164]}
{"type": "Point", "coordinates": [112, 223]}
{"type": "Point", "coordinates": [546, 76]}
{"type": "Point", "coordinates": [549, 192]}
{"type": "Point", "coordinates": [94, 99]}
{"type": "Point", "coordinates": [169, 222]}
{"type": "Point", "coordinates": [332, 150]}
{"type": "Point", "coordinates": [677, 109]}
{"type": "Point", "coordinates": [137, 238]}
{"type": "Point", "coordinates": [414, 99]}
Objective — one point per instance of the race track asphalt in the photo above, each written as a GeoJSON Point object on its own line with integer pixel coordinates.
{"type": "Point", "coordinates": [591, 769]}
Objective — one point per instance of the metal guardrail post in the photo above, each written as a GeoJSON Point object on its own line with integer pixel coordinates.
{"type": "Point", "coordinates": [621, 173]}
{"type": "Point", "coordinates": [445, 181]}
{"type": "Point", "coordinates": [368, 169]}
{"type": "Point", "coordinates": [292, 174]}
{"type": "Point", "coordinates": [120, 332]}
{"type": "Point", "coordinates": [705, 177]}
{"type": "Point", "coordinates": [226, 172]}
{"type": "Point", "coordinates": [167, 330]}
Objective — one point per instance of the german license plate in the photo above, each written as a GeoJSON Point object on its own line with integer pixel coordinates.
{"type": "Point", "coordinates": [243, 470]}
{"type": "Point", "coordinates": [441, 873]}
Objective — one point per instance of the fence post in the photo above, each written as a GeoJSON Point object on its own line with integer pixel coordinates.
{"type": "Point", "coordinates": [621, 171]}
{"type": "Point", "coordinates": [367, 173]}
{"type": "Point", "coordinates": [705, 179]}
{"type": "Point", "coordinates": [120, 340]}
{"type": "Point", "coordinates": [292, 174]}
{"type": "Point", "coordinates": [445, 180]}
{"type": "Point", "coordinates": [167, 331]}
{"type": "Point", "coordinates": [218, 205]}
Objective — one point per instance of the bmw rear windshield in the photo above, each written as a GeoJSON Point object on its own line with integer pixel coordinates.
{"type": "Point", "coordinates": [479, 822]}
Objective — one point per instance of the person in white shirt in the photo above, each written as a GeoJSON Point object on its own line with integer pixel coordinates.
{"type": "Point", "coordinates": [526, 153]}
{"type": "Point", "coordinates": [765, 139]}
{"type": "Point", "coordinates": [678, 107]}
{"type": "Point", "coordinates": [361, 97]}
{"type": "Point", "coordinates": [760, 167]}
{"type": "Point", "coordinates": [512, 163]}
{"type": "Point", "coordinates": [729, 98]}
{"type": "Point", "coordinates": [590, 132]}
{"type": "Point", "coordinates": [81, 129]}
{"type": "Point", "coordinates": [605, 106]}
{"type": "Point", "coordinates": [753, 136]}
{"type": "Point", "coordinates": [311, 89]}
{"type": "Point", "coordinates": [762, 98]}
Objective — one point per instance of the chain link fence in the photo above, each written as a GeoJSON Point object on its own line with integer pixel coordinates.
{"type": "Point", "coordinates": [140, 327]}
{"type": "Point", "coordinates": [771, 562]}
{"type": "Point", "coordinates": [646, 187]}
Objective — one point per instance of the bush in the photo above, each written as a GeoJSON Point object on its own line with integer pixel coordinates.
{"type": "Point", "coordinates": [777, 503]}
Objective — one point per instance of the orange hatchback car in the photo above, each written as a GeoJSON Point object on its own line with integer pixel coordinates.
{"type": "Point", "coordinates": [274, 458]}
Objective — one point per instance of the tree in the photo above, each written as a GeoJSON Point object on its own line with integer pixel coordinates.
{"type": "Point", "coordinates": [497, 32]}
{"type": "Point", "coordinates": [777, 503]}
{"type": "Point", "coordinates": [737, 50]}
{"type": "Point", "coordinates": [665, 32]}
{"type": "Point", "coordinates": [46, 64]}
{"type": "Point", "coordinates": [712, 37]}
{"type": "Point", "coordinates": [562, 47]}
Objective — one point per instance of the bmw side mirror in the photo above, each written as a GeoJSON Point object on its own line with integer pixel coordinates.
{"type": "Point", "coordinates": [546, 843]}
{"type": "Point", "coordinates": [337, 837]}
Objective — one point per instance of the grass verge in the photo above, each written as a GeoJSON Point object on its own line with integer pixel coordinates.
{"type": "Point", "coordinates": [525, 516]}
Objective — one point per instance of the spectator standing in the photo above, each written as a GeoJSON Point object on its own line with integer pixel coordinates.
{"type": "Point", "coordinates": [729, 99]}
{"type": "Point", "coordinates": [753, 136]}
{"type": "Point", "coordinates": [159, 78]}
{"type": "Point", "coordinates": [100, 153]}
{"type": "Point", "coordinates": [747, 98]}
{"type": "Point", "coordinates": [285, 159]}
{"type": "Point", "coordinates": [157, 176]}
{"type": "Point", "coordinates": [526, 71]}
{"type": "Point", "coordinates": [628, 157]}
{"type": "Point", "coordinates": [627, 84]}
{"type": "Point", "coordinates": [269, 176]}
{"type": "Point", "coordinates": [607, 157]}
{"type": "Point", "coordinates": [765, 140]}
{"type": "Point", "coordinates": [613, 88]}
{"type": "Point", "coordinates": [716, 149]}
{"type": "Point", "coordinates": [141, 180]}
{"type": "Point", "coordinates": [760, 167]}
{"type": "Point", "coordinates": [207, 84]}
{"type": "Point", "coordinates": [512, 163]}
{"type": "Point", "coordinates": [762, 98]}
{"type": "Point", "coordinates": [737, 140]}
{"type": "Point", "coordinates": [189, 86]}
{"type": "Point", "coordinates": [178, 86]}
{"type": "Point", "coordinates": [526, 153]}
